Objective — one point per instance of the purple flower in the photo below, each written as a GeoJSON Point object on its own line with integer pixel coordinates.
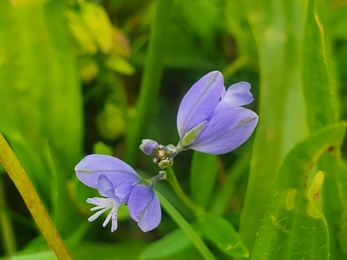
{"type": "Point", "coordinates": [210, 118]}
{"type": "Point", "coordinates": [118, 183]}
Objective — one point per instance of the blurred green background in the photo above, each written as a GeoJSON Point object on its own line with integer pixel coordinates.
{"type": "Point", "coordinates": [71, 73]}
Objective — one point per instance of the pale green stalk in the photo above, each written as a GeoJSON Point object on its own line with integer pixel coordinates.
{"type": "Point", "coordinates": [171, 177]}
{"type": "Point", "coordinates": [186, 228]}
{"type": "Point", "coordinates": [151, 77]}
{"type": "Point", "coordinates": [32, 200]}
{"type": "Point", "coordinates": [6, 228]}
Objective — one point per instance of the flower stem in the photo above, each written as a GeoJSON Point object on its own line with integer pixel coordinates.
{"type": "Point", "coordinates": [171, 177]}
{"type": "Point", "coordinates": [32, 200]}
{"type": "Point", "coordinates": [234, 67]}
{"type": "Point", "coordinates": [151, 77]}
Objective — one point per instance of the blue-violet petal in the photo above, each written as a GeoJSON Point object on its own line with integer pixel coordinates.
{"type": "Point", "coordinates": [226, 131]}
{"type": "Point", "coordinates": [199, 102]}
{"type": "Point", "coordinates": [92, 166]}
{"type": "Point", "coordinates": [144, 207]}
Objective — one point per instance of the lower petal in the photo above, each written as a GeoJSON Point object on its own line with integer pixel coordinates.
{"type": "Point", "coordinates": [144, 207]}
{"type": "Point", "coordinates": [140, 196]}
{"type": "Point", "coordinates": [151, 216]}
{"type": "Point", "coordinates": [226, 131]}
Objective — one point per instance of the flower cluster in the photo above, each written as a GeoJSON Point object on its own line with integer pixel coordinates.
{"type": "Point", "coordinates": [210, 119]}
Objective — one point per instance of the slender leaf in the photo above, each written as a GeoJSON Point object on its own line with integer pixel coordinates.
{"type": "Point", "coordinates": [187, 229]}
{"type": "Point", "coordinates": [48, 255]}
{"type": "Point", "coordinates": [171, 244]}
{"type": "Point", "coordinates": [221, 233]}
{"type": "Point", "coordinates": [31, 162]}
{"type": "Point", "coordinates": [318, 83]}
{"type": "Point", "coordinates": [322, 108]}
{"type": "Point", "coordinates": [224, 193]}
{"type": "Point", "coordinates": [202, 177]}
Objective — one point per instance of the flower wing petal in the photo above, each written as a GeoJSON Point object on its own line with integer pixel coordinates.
{"type": "Point", "coordinates": [123, 192]}
{"type": "Point", "coordinates": [92, 166]}
{"type": "Point", "coordinates": [199, 102]}
{"type": "Point", "coordinates": [139, 199]}
{"type": "Point", "coordinates": [144, 207]}
{"type": "Point", "coordinates": [152, 215]}
{"type": "Point", "coordinates": [226, 131]}
{"type": "Point", "coordinates": [237, 95]}
{"type": "Point", "coordinates": [103, 185]}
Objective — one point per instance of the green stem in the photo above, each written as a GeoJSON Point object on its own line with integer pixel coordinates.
{"type": "Point", "coordinates": [32, 200]}
{"type": "Point", "coordinates": [234, 67]}
{"type": "Point", "coordinates": [186, 228]}
{"type": "Point", "coordinates": [6, 226]}
{"type": "Point", "coordinates": [151, 77]}
{"type": "Point", "coordinates": [171, 177]}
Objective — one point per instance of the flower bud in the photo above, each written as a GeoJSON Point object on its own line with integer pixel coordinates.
{"type": "Point", "coordinates": [149, 146]}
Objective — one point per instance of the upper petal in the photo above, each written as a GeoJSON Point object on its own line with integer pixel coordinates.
{"type": "Point", "coordinates": [144, 207]}
{"type": "Point", "coordinates": [92, 166]}
{"type": "Point", "coordinates": [237, 95]}
{"type": "Point", "coordinates": [199, 102]}
{"type": "Point", "coordinates": [226, 131]}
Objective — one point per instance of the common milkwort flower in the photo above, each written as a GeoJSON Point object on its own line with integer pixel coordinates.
{"type": "Point", "coordinates": [210, 119]}
{"type": "Point", "coordinates": [118, 183]}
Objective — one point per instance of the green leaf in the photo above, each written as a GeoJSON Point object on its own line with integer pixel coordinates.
{"type": "Point", "coordinates": [192, 10]}
{"type": "Point", "coordinates": [342, 232]}
{"type": "Point", "coordinates": [222, 196]}
{"type": "Point", "coordinates": [319, 84]}
{"type": "Point", "coordinates": [48, 255]}
{"type": "Point", "coordinates": [40, 92]}
{"type": "Point", "coordinates": [81, 33]}
{"type": "Point", "coordinates": [119, 64]}
{"type": "Point", "coordinates": [221, 233]}
{"type": "Point", "coordinates": [277, 32]}
{"type": "Point", "coordinates": [202, 177]}
{"type": "Point", "coordinates": [98, 25]}
{"type": "Point", "coordinates": [31, 162]}
{"type": "Point", "coordinates": [186, 227]}
{"type": "Point", "coordinates": [237, 25]}
{"type": "Point", "coordinates": [318, 81]}
{"type": "Point", "coordinates": [171, 244]}
{"type": "Point", "coordinates": [126, 250]}
{"type": "Point", "coordinates": [294, 226]}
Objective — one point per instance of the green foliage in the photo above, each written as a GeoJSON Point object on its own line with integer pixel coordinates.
{"type": "Point", "coordinates": [80, 77]}
{"type": "Point", "coordinates": [38, 74]}
{"type": "Point", "coordinates": [320, 104]}
{"type": "Point", "coordinates": [187, 229]}
{"type": "Point", "coordinates": [294, 216]}
{"type": "Point", "coordinates": [222, 234]}
{"type": "Point", "coordinates": [203, 177]}
{"type": "Point", "coordinates": [171, 244]}
{"type": "Point", "coordinates": [277, 27]}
